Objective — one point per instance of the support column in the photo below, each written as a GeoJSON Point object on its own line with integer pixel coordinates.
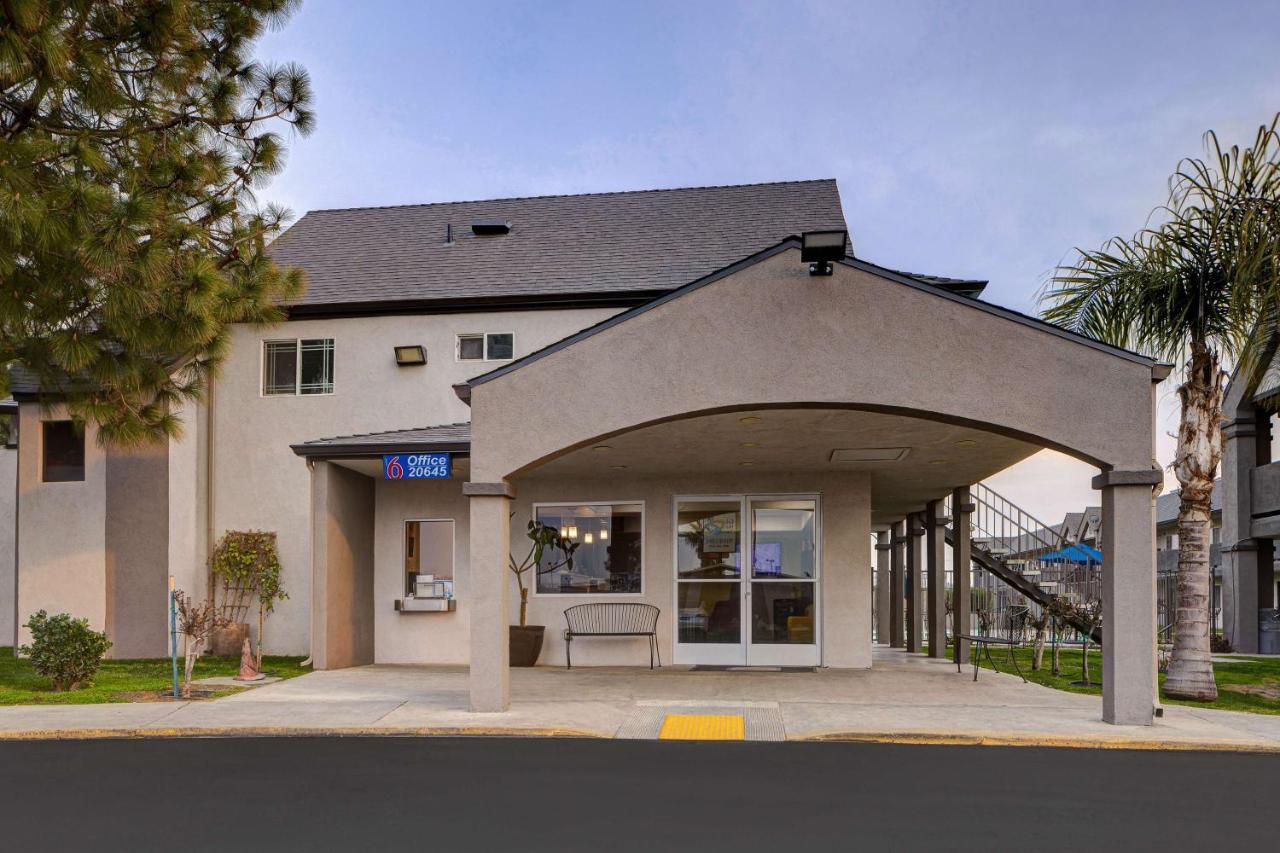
{"type": "Point", "coordinates": [915, 596]}
{"type": "Point", "coordinates": [898, 544]}
{"type": "Point", "coordinates": [1246, 568]}
{"type": "Point", "coordinates": [935, 561]}
{"type": "Point", "coordinates": [1128, 595]}
{"type": "Point", "coordinates": [883, 585]}
{"type": "Point", "coordinates": [490, 538]}
{"type": "Point", "coordinates": [961, 556]}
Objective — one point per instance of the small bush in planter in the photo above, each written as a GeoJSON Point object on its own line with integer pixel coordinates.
{"type": "Point", "coordinates": [64, 649]}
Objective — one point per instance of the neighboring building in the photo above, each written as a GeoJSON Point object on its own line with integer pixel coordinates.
{"type": "Point", "coordinates": [1250, 501]}
{"type": "Point", "coordinates": [718, 415]}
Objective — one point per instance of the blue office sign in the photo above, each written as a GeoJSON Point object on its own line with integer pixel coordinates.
{"type": "Point", "coordinates": [417, 466]}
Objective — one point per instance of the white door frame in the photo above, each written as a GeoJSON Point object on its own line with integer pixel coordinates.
{"type": "Point", "coordinates": [745, 652]}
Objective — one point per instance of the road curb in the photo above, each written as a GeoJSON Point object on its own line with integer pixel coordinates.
{"type": "Point", "coordinates": [1050, 741]}
{"type": "Point", "coordinates": [161, 733]}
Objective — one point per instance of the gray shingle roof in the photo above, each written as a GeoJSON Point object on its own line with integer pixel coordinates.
{"type": "Point", "coordinates": [445, 437]}
{"type": "Point", "coordinates": [966, 286]}
{"type": "Point", "coordinates": [1167, 504]}
{"type": "Point", "coordinates": [652, 240]}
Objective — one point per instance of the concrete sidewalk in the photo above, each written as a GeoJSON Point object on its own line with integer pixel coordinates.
{"type": "Point", "coordinates": [902, 698]}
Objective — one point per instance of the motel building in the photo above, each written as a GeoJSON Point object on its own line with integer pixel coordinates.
{"type": "Point", "coordinates": [707, 389]}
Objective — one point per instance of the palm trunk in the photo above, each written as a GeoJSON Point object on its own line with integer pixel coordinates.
{"type": "Point", "coordinates": [1199, 449]}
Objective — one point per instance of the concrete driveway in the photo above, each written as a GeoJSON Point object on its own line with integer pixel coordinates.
{"type": "Point", "coordinates": [903, 697]}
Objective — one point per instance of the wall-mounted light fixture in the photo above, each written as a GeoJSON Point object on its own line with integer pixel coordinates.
{"type": "Point", "coordinates": [819, 248]}
{"type": "Point", "coordinates": [411, 356]}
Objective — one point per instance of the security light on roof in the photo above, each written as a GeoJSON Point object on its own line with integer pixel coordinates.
{"type": "Point", "coordinates": [819, 248]}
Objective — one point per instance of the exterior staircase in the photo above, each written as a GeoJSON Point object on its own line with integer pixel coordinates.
{"type": "Point", "coordinates": [1011, 544]}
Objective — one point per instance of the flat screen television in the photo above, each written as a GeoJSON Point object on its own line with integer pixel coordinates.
{"type": "Point", "coordinates": [766, 561]}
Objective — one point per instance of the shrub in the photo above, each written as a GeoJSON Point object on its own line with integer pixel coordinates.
{"type": "Point", "coordinates": [65, 649]}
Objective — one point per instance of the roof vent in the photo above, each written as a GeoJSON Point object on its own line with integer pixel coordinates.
{"type": "Point", "coordinates": [486, 225]}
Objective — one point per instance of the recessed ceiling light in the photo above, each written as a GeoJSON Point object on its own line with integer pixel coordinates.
{"type": "Point", "coordinates": [746, 462]}
{"type": "Point", "coordinates": [966, 442]}
{"type": "Point", "coordinates": [938, 462]}
{"type": "Point", "coordinates": [750, 444]}
{"type": "Point", "coordinates": [749, 420]}
{"type": "Point", "coordinates": [617, 467]}
{"type": "Point", "coordinates": [600, 448]}
{"type": "Point", "coordinates": [868, 454]}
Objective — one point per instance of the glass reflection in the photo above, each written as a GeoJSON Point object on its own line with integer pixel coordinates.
{"type": "Point", "coordinates": [709, 612]}
{"type": "Point", "coordinates": [782, 613]}
{"type": "Point", "coordinates": [709, 536]}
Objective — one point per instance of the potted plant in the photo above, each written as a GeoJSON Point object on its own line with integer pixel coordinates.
{"type": "Point", "coordinates": [526, 640]}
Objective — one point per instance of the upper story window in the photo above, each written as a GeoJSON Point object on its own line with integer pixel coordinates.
{"type": "Point", "coordinates": [61, 452]}
{"type": "Point", "coordinates": [297, 367]}
{"type": "Point", "coordinates": [494, 346]}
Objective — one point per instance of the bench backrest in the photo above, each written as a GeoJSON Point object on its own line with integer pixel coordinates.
{"type": "Point", "coordinates": [612, 618]}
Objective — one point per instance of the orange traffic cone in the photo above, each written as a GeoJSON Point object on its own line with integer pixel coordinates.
{"type": "Point", "coordinates": [247, 670]}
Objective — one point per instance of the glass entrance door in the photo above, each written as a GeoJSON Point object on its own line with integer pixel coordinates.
{"type": "Point", "coordinates": [747, 581]}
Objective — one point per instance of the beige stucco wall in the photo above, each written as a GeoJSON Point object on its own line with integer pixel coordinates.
{"type": "Point", "coordinates": [444, 637]}
{"type": "Point", "coordinates": [342, 526]}
{"type": "Point", "coordinates": [8, 527]}
{"type": "Point", "coordinates": [418, 637]}
{"type": "Point", "coordinates": [137, 550]}
{"type": "Point", "coordinates": [61, 531]}
{"type": "Point", "coordinates": [260, 483]}
{"type": "Point", "coordinates": [772, 335]}
{"type": "Point", "coordinates": [187, 555]}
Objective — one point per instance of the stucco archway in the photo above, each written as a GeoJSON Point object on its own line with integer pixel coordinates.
{"type": "Point", "coordinates": [765, 335]}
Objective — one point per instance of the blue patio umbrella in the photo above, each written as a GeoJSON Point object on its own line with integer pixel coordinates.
{"type": "Point", "coordinates": [1078, 553]}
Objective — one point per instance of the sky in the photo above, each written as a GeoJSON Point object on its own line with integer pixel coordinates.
{"type": "Point", "coordinates": [974, 139]}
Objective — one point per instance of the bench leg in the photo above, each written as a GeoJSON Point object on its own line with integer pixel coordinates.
{"type": "Point", "coordinates": [650, 651]}
{"type": "Point", "coordinates": [658, 650]}
{"type": "Point", "coordinates": [568, 658]}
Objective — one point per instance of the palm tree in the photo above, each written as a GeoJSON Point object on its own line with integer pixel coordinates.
{"type": "Point", "coordinates": [1191, 291]}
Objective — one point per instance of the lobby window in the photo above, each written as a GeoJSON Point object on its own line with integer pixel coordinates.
{"type": "Point", "coordinates": [494, 346]}
{"type": "Point", "coordinates": [62, 452]}
{"type": "Point", "coordinates": [297, 367]}
{"type": "Point", "coordinates": [610, 539]}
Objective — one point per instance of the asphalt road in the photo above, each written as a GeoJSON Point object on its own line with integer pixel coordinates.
{"type": "Point", "coordinates": [564, 795]}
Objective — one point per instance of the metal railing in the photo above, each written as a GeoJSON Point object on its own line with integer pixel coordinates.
{"type": "Point", "coordinates": [1042, 555]}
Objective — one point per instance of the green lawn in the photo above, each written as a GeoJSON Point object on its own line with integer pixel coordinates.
{"type": "Point", "coordinates": [1247, 672]}
{"type": "Point", "coordinates": [121, 680]}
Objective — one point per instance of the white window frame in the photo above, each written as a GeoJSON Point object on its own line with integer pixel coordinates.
{"type": "Point", "coordinates": [484, 336]}
{"type": "Point", "coordinates": [644, 551]}
{"type": "Point", "coordinates": [297, 369]}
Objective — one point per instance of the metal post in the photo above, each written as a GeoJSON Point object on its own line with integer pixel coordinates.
{"type": "Point", "coordinates": [173, 635]}
{"type": "Point", "coordinates": [915, 597]}
{"type": "Point", "coordinates": [961, 598]}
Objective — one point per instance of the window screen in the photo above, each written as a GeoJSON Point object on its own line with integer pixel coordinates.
{"type": "Point", "coordinates": [471, 347]}
{"type": "Point", "coordinates": [317, 366]}
{"type": "Point", "coordinates": [280, 367]}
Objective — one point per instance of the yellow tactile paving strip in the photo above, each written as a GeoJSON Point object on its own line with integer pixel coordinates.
{"type": "Point", "coordinates": [703, 727]}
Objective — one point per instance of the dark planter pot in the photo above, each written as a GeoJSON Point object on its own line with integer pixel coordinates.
{"type": "Point", "coordinates": [526, 644]}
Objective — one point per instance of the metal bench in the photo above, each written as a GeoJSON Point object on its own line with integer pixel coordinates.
{"type": "Point", "coordinates": [982, 644]}
{"type": "Point", "coordinates": [612, 619]}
